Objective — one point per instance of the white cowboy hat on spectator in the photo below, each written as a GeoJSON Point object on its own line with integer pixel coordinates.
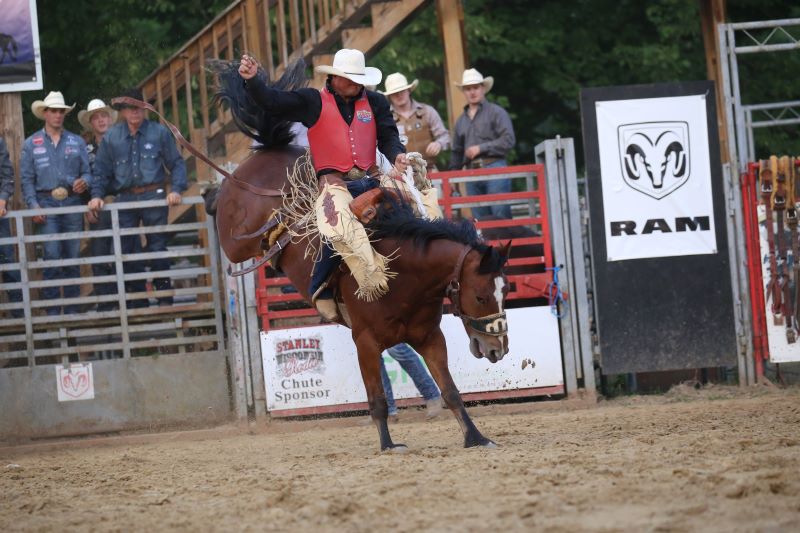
{"type": "Point", "coordinates": [397, 82]}
{"type": "Point", "coordinates": [349, 63]}
{"type": "Point", "coordinates": [85, 115]}
{"type": "Point", "coordinates": [54, 100]}
{"type": "Point", "coordinates": [473, 77]}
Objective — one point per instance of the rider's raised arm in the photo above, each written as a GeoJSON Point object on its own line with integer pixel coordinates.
{"type": "Point", "coordinates": [302, 105]}
{"type": "Point", "coordinates": [388, 137]}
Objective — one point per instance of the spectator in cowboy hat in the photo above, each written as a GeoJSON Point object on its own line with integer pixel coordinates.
{"type": "Point", "coordinates": [55, 172]}
{"type": "Point", "coordinates": [419, 125]}
{"type": "Point", "coordinates": [7, 250]}
{"type": "Point", "coordinates": [131, 163]}
{"type": "Point", "coordinates": [482, 139]}
{"type": "Point", "coordinates": [96, 119]}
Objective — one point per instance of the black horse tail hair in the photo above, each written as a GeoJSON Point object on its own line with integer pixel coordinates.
{"type": "Point", "coordinates": [249, 117]}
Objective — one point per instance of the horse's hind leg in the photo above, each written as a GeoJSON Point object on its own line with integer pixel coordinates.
{"type": "Point", "coordinates": [435, 354]}
{"type": "Point", "coordinates": [369, 362]}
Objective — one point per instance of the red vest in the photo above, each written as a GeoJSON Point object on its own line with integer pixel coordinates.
{"type": "Point", "coordinates": [336, 145]}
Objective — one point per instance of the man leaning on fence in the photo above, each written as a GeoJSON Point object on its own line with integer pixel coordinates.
{"type": "Point", "coordinates": [482, 139]}
{"type": "Point", "coordinates": [96, 120]}
{"type": "Point", "coordinates": [132, 163]}
{"type": "Point", "coordinates": [55, 171]}
{"type": "Point", "coordinates": [7, 250]}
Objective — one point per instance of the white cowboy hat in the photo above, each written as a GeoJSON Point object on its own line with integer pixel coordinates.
{"type": "Point", "coordinates": [397, 82]}
{"type": "Point", "coordinates": [85, 115]}
{"type": "Point", "coordinates": [54, 100]}
{"type": "Point", "coordinates": [349, 63]}
{"type": "Point", "coordinates": [473, 77]}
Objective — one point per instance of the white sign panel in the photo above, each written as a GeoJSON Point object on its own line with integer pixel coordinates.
{"type": "Point", "coordinates": [318, 366]}
{"type": "Point", "coordinates": [656, 177]}
{"type": "Point", "coordinates": [75, 382]}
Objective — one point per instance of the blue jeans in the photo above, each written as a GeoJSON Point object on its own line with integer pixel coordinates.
{"type": "Point", "coordinates": [156, 242]}
{"type": "Point", "coordinates": [61, 249]}
{"type": "Point", "coordinates": [495, 186]}
{"type": "Point", "coordinates": [7, 256]}
{"type": "Point", "coordinates": [412, 364]}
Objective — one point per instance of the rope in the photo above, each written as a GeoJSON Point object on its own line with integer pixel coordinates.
{"type": "Point", "coordinates": [554, 294]}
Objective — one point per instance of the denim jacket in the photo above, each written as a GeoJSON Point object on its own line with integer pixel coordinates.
{"type": "Point", "coordinates": [45, 167]}
{"type": "Point", "coordinates": [124, 160]}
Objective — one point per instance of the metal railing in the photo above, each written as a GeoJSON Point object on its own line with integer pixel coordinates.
{"type": "Point", "coordinates": [191, 320]}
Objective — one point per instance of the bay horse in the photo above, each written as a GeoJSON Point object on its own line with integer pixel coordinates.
{"type": "Point", "coordinates": [432, 259]}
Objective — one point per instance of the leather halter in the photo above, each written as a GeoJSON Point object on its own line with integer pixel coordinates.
{"type": "Point", "coordinates": [495, 325]}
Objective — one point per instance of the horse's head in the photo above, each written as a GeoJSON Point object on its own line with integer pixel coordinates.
{"type": "Point", "coordinates": [478, 296]}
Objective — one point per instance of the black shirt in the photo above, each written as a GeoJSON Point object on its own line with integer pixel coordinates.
{"type": "Point", "coordinates": [305, 106]}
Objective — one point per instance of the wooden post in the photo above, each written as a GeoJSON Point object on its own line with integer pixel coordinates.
{"type": "Point", "coordinates": [712, 12]}
{"type": "Point", "coordinates": [451, 25]}
{"type": "Point", "coordinates": [12, 131]}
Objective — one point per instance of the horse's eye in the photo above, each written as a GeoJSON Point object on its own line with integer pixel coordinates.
{"type": "Point", "coordinates": [480, 300]}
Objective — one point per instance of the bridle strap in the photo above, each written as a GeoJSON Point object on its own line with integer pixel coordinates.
{"type": "Point", "coordinates": [453, 290]}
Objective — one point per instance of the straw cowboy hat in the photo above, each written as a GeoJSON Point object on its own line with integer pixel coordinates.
{"type": "Point", "coordinates": [54, 100]}
{"type": "Point", "coordinates": [473, 77]}
{"type": "Point", "coordinates": [85, 115]}
{"type": "Point", "coordinates": [397, 82]}
{"type": "Point", "coordinates": [349, 63]}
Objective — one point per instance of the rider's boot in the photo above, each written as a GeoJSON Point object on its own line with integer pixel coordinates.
{"type": "Point", "coordinates": [338, 225]}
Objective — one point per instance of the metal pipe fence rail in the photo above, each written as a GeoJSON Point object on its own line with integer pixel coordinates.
{"type": "Point", "coordinates": [528, 269]}
{"type": "Point", "coordinates": [121, 324]}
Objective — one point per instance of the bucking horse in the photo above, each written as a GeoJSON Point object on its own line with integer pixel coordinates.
{"type": "Point", "coordinates": [431, 259]}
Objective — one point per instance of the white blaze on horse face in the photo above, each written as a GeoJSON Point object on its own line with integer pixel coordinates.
{"type": "Point", "coordinates": [498, 292]}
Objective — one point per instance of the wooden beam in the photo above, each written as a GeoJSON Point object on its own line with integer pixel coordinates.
{"type": "Point", "coordinates": [267, 62]}
{"type": "Point", "coordinates": [13, 133]}
{"type": "Point", "coordinates": [712, 13]}
{"type": "Point", "coordinates": [450, 15]}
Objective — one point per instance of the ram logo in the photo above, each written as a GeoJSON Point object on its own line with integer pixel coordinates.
{"type": "Point", "coordinates": [655, 156]}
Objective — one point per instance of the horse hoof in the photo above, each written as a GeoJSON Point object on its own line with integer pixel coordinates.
{"type": "Point", "coordinates": [397, 448]}
{"type": "Point", "coordinates": [489, 444]}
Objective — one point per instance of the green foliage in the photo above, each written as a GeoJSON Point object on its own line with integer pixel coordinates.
{"type": "Point", "coordinates": [97, 49]}
{"type": "Point", "coordinates": [540, 52]}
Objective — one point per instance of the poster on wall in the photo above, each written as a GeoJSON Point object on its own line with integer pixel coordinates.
{"type": "Point", "coordinates": [311, 367]}
{"type": "Point", "coordinates": [20, 59]}
{"type": "Point", "coordinates": [656, 177]}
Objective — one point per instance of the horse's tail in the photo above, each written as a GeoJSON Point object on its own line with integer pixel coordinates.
{"type": "Point", "coordinates": [251, 119]}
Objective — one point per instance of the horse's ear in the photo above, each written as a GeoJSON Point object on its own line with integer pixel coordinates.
{"type": "Point", "coordinates": [505, 251]}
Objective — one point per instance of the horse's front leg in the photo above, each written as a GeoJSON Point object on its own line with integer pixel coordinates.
{"type": "Point", "coordinates": [369, 362]}
{"type": "Point", "coordinates": [434, 351]}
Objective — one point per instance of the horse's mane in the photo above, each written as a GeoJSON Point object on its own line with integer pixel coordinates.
{"type": "Point", "coordinates": [396, 219]}
{"type": "Point", "coordinates": [251, 118]}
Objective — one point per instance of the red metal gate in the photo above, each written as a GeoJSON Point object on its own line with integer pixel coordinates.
{"type": "Point", "coordinates": [280, 306]}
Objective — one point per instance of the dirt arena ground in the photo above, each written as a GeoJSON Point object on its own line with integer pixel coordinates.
{"type": "Point", "coordinates": [718, 459]}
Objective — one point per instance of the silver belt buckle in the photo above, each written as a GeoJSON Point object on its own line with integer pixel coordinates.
{"type": "Point", "coordinates": [59, 193]}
